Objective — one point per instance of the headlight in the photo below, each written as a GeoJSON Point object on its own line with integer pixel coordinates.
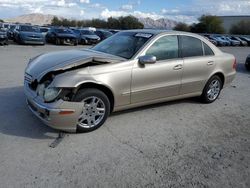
{"type": "Point", "coordinates": [48, 94]}
{"type": "Point", "coordinates": [40, 90]}
{"type": "Point", "coordinates": [51, 93]}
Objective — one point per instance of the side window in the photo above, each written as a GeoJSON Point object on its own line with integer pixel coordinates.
{"type": "Point", "coordinates": [207, 49]}
{"type": "Point", "coordinates": [191, 47]}
{"type": "Point", "coordinates": [165, 48]}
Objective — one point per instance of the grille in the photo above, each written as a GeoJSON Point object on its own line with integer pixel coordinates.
{"type": "Point", "coordinates": [32, 83]}
{"type": "Point", "coordinates": [27, 78]}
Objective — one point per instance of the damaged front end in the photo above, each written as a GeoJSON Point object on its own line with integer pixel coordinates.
{"type": "Point", "coordinates": [45, 83]}
{"type": "Point", "coordinates": [50, 91]}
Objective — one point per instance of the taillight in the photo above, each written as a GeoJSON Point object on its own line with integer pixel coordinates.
{"type": "Point", "coordinates": [234, 64]}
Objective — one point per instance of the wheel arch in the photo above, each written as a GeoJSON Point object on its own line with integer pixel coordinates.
{"type": "Point", "coordinates": [102, 88]}
{"type": "Point", "coordinates": [221, 76]}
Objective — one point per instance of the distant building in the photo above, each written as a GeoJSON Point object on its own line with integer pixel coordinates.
{"type": "Point", "coordinates": [228, 21]}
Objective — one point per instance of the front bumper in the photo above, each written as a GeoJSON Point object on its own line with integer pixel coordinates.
{"type": "Point", "coordinates": [52, 114]}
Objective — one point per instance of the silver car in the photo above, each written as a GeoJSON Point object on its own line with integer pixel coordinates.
{"type": "Point", "coordinates": [76, 90]}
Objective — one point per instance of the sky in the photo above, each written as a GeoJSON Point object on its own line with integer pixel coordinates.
{"type": "Point", "coordinates": [180, 10]}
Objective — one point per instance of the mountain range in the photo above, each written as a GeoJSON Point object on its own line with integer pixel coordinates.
{"type": "Point", "coordinates": [45, 19]}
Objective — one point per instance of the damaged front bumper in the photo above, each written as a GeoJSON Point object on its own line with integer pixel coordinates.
{"type": "Point", "coordinates": [62, 115]}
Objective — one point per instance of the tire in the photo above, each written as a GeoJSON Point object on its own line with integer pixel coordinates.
{"type": "Point", "coordinates": [214, 85]}
{"type": "Point", "coordinates": [91, 120]}
{"type": "Point", "coordinates": [19, 40]}
{"type": "Point", "coordinates": [75, 43]}
{"type": "Point", "coordinates": [58, 42]}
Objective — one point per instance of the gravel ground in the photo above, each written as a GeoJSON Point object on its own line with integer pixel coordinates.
{"type": "Point", "coordinates": [175, 144]}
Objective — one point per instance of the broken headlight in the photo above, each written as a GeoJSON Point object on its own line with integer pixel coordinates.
{"type": "Point", "coordinates": [48, 93]}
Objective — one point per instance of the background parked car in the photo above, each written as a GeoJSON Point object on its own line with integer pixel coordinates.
{"type": "Point", "coordinates": [225, 41]}
{"type": "Point", "coordinates": [103, 34]}
{"type": "Point", "coordinates": [232, 42]}
{"type": "Point", "coordinates": [212, 41]}
{"type": "Point", "coordinates": [114, 31]}
{"type": "Point", "coordinates": [242, 42]}
{"type": "Point", "coordinates": [89, 37]}
{"type": "Point", "coordinates": [61, 36]}
{"type": "Point", "coordinates": [44, 30]}
{"type": "Point", "coordinates": [3, 37]}
{"type": "Point", "coordinates": [245, 39]}
{"type": "Point", "coordinates": [28, 34]}
{"type": "Point", "coordinates": [219, 41]}
{"type": "Point", "coordinates": [247, 63]}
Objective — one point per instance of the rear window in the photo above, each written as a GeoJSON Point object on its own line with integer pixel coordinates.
{"type": "Point", "coordinates": [191, 47]}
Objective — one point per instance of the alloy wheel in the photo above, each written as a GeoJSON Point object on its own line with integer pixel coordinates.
{"type": "Point", "coordinates": [93, 112]}
{"type": "Point", "coordinates": [213, 90]}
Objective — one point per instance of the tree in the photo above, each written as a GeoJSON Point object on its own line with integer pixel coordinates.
{"type": "Point", "coordinates": [113, 23]}
{"type": "Point", "coordinates": [182, 27]}
{"type": "Point", "coordinates": [208, 24]}
{"type": "Point", "coordinates": [55, 21]}
{"type": "Point", "coordinates": [130, 22]}
{"type": "Point", "coordinates": [242, 28]}
{"type": "Point", "coordinates": [1, 21]}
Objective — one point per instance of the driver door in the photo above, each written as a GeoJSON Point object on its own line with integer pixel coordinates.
{"type": "Point", "coordinates": [161, 79]}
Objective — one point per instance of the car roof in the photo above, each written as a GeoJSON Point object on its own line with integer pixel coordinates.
{"type": "Point", "coordinates": [161, 31]}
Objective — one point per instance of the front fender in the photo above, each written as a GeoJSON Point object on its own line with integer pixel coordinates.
{"type": "Point", "coordinates": [72, 79]}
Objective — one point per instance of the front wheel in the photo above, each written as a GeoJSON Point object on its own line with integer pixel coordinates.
{"type": "Point", "coordinates": [95, 110]}
{"type": "Point", "coordinates": [212, 90]}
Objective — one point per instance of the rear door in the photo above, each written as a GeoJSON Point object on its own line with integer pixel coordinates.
{"type": "Point", "coordinates": [198, 64]}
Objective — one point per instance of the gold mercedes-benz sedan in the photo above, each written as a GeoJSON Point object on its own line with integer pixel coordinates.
{"type": "Point", "coordinates": [76, 90]}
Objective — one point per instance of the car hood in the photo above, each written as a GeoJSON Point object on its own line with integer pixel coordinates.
{"type": "Point", "coordinates": [63, 60]}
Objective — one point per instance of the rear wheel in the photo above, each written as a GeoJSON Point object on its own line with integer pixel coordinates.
{"type": "Point", "coordinates": [95, 109]}
{"type": "Point", "coordinates": [212, 89]}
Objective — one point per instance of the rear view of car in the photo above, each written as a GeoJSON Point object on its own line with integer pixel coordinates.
{"type": "Point", "coordinates": [27, 34]}
{"type": "Point", "coordinates": [103, 34]}
{"type": "Point", "coordinates": [61, 36]}
{"type": "Point", "coordinates": [89, 37]}
{"type": "Point", "coordinates": [242, 42]}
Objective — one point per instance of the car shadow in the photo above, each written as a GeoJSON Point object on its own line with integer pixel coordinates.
{"type": "Point", "coordinates": [17, 120]}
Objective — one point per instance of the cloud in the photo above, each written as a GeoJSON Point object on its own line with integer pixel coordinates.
{"type": "Point", "coordinates": [73, 8]}
{"type": "Point", "coordinates": [127, 7]}
{"type": "Point", "coordinates": [81, 12]}
{"type": "Point", "coordinates": [108, 13]}
{"type": "Point", "coordinates": [85, 1]}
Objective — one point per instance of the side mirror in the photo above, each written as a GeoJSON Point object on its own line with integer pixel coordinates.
{"type": "Point", "coordinates": [147, 59]}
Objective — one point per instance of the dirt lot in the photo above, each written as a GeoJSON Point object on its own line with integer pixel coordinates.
{"type": "Point", "coordinates": [176, 144]}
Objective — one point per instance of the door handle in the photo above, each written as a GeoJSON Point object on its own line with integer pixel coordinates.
{"type": "Point", "coordinates": [210, 63]}
{"type": "Point", "coordinates": [177, 67]}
